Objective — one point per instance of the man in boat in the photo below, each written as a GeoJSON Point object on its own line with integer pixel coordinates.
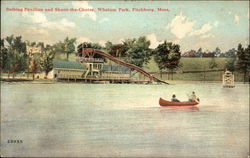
{"type": "Point", "coordinates": [192, 97]}
{"type": "Point", "coordinates": [174, 99]}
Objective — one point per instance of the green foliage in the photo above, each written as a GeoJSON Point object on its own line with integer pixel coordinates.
{"type": "Point", "coordinates": [13, 56]}
{"type": "Point", "coordinates": [197, 64]}
{"type": "Point", "coordinates": [167, 56]}
{"type": "Point", "coordinates": [34, 67]}
{"type": "Point", "coordinates": [199, 52]}
{"type": "Point", "coordinates": [247, 53]}
{"type": "Point", "coordinates": [66, 47]}
{"type": "Point", "coordinates": [46, 61]}
{"type": "Point", "coordinates": [116, 50]}
{"type": "Point", "coordinates": [243, 62]}
{"type": "Point", "coordinates": [69, 46]}
{"type": "Point", "coordinates": [217, 51]}
{"type": "Point", "coordinates": [212, 63]}
{"type": "Point", "coordinates": [3, 55]}
{"type": "Point", "coordinates": [138, 52]}
{"type": "Point", "coordinates": [89, 45]}
{"type": "Point", "coordinates": [16, 62]}
{"type": "Point", "coordinates": [230, 65]}
{"type": "Point", "coordinates": [231, 53]}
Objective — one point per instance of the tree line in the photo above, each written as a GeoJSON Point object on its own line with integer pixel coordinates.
{"type": "Point", "coordinates": [231, 53]}
{"type": "Point", "coordinates": [16, 58]}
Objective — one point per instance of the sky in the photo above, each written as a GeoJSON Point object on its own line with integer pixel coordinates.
{"type": "Point", "coordinates": [191, 24]}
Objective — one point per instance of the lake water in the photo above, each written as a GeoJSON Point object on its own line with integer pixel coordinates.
{"type": "Point", "coordinates": [123, 120]}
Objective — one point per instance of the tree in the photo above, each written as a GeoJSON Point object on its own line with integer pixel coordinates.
{"type": "Point", "coordinates": [34, 67]}
{"type": "Point", "coordinates": [199, 52]}
{"type": "Point", "coordinates": [16, 55]}
{"type": "Point", "coordinates": [230, 65]}
{"type": "Point", "coordinates": [47, 62]}
{"type": "Point", "coordinates": [212, 63]}
{"type": "Point", "coordinates": [247, 51]}
{"type": "Point", "coordinates": [66, 47]}
{"type": "Point", "coordinates": [89, 45]}
{"type": "Point", "coordinates": [17, 62]}
{"type": "Point", "coordinates": [138, 52]}
{"type": "Point", "coordinates": [3, 56]}
{"type": "Point", "coordinates": [117, 50]}
{"type": "Point", "coordinates": [231, 53]}
{"type": "Point", "coordinates": [243, 60]}
{"type": "Point", "coordinates": [69, 45]}
{"type": "Point", "coordinates": [217, 52]}
{"type": "Point", "coordinates": [167, 56]}
{"type": "Point", "coordinates": [108, 46]}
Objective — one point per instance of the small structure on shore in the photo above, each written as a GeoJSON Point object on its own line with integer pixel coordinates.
{"type": "Point", "coordinates": [228, 79]}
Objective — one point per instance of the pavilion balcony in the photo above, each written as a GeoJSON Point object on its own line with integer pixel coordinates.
{"type": "Point", "coordinates": [91, 60]}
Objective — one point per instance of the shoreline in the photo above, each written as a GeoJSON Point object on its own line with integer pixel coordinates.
{"type": "Point", "coordinates": [52, 81]}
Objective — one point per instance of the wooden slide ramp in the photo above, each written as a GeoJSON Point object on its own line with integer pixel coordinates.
{"type": "Point", "coordinates": [120, 62]}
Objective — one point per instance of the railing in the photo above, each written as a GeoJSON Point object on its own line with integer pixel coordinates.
{"type": "Point", "coordinates": [89, 59]}
{"type": "Point", "coordinates": [106, 77]}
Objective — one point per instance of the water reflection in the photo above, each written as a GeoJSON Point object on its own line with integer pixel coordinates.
{"type": "Point", "coordinates": [182, 108]}
{"type": "Point", "coordinates": [114, 120]}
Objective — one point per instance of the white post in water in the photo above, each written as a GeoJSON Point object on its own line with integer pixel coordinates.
{"type": "Point", "coordinates": [228, 79]}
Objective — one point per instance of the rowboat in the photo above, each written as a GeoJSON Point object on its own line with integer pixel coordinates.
{"type": "Point", "coordinates": [163, 102]}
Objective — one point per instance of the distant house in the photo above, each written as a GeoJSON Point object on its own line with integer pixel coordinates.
{"type": "Point", "coordinates": [34, 49]}
{"type": "Point", "coordinates": [190, 53]}
{"type": "Point", "coordinates": [208, 55]}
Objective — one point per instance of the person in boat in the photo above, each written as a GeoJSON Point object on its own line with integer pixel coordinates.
{"type": "Point", "coordinates": [192, 97]}
{"type": "Point", "coordinates": [174, 99]}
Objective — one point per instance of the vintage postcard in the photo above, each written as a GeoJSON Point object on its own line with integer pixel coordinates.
{"type": "Point", "coordinates": [125, 79]}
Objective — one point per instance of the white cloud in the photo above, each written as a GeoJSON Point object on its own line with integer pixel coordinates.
{"type": "Point", "coordinates": [83, 39]}
{"type": "Point", "coordinates": [175, 41]}
{"type": "Point", "coordinates": [37, 17]}
{"type": "Point", "coordinates": [86, 39]}
{"type": "Point", "coordinates": [248, 13]}
{"type": "Point", "coordinates": [180, 26]}
{"type": "Point", "coordinates": [66, 23]}
{"type": "Point", "coordinates": [85, 5]}
{"type": "Point", "coordinates": [102, 43]}
{"type": "Point", "coordinates": [216, 23]}
{"type": "Point", "coordinates": [237, 18]}
{"type": "Point", "coordinates": [153, 40]}
{"type": "Point", "coordinates": [121, 40]}
{"type": "Point", "coordinates": [40, 18]}
{"type": "Point", "coordinates": [36, 31]}
{"type": "Point", "coordinates": [207, 36]}
{"type": "Point", "coordinates": [62, 25]}
{"type": "Point", "coordinates": [204, 29]}
{"type": "Point", "coordinates": [202, 44]}
{"type": "Point", "coordinates": [103, 20]}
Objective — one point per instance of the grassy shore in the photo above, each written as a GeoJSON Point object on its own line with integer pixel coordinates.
{"type": "Point", "coordinates": [188, 64]}
{"type": "Point", "coordinates": [195, 64]}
